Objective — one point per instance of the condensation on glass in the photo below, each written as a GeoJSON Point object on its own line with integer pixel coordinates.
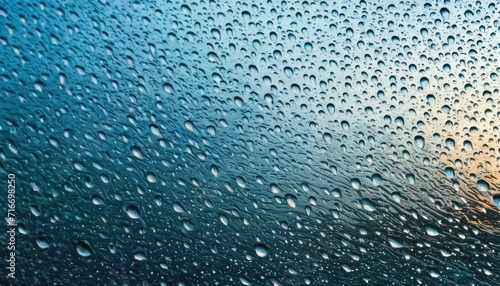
{"type": "Point", "coordinates": [252, 143]}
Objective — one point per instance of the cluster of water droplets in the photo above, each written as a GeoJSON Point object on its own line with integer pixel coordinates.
{"type": "Point", "coordinates": [226, 143]}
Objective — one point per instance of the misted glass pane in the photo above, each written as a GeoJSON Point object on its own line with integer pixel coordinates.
{"type": "Point", "coordinates": [250, 142]}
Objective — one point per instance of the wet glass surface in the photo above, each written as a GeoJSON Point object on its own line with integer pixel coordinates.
{"type": "Point", "coordinates": [251, 143]}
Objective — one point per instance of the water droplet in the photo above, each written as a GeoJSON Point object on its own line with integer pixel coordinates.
{"type": "Point", "coordinates": [140, 256]}
{"type": "Point", "coordinates": [185, 9]}
{"type": "Point", "coordinates": [445, 13]}
{"type": "Point", "coordinates": [136, 152]}
{"type": "Point", "coordinates": [35, 210]}
{"type": "Point", "coordinates": [419, 142]}
{"type": "Point", "coordinates": [431, 231]}
{"type": "Point", "coordinates": [368, 205]}
{"type": "Point", "coordinates": [241, 182]}
{"type": "Point", "coordinates": [449, 172]}
{"type": "Point", "coordinates": [356, 184]}
{"type": "Point", "coordinates": [261, 250]}
{"type": "Point", "coordinates": [308, 47]}
{"type": "Point", "coordinates": [178, 207]}
{"type": "Point", "coordinates": [133, 212]}
{"type": "Point", "coordinates": [212, 57]}
{"type": "Point", "coordinates": [327, 137]}
{"type": "Point", "coordinates": [189, 125]}
{"type": "Point", "coordinates": [155, 130]}
{"type": "Point", "coordinates": [83, 249]}
{"type": "Point", "coordinates": [43, 243]}
{"type": "Point", "coordinates": [345, 125]}
{"type": "Point", "coordinates": [445, 253]}
{"type": "Point", "coordinates": [215, 33]}
{"type": "Point", "coordinates": [214, 170]}
{"type": "Point", "coordinates": [168, 88]}
{"type": "Point", "coordinates": [434, 273]}
{"type": "Point", "coordinates": [291, 200]}
{"type": "Point", "coordinates": [496, 200]}
{"type": "Point", "coordinates": [150, 177]}
{"type": "Point", "coordinates": [211, 130]}
{"type": "Point", "coordinates": [410, 178]}
{"type": "Point", "coordinates": [347, 268]}
{"type": "Point", "coordinates": [450, 143]}
{"type": "Point", "coordinates": [394, 243]}
{"type": "Point", "coordinates": [396, 196]}
{"type": "Point", "coordinates": [188, 225]}
{"type": "Point", "coordinates": [245, 281]}
{"type": "Point", "coordinates": [482, 186]}
{"type": "Point", "coordinates": [376, 180]}
{"type": "Point", "coordinates": [331, 108]}
{"type": "Point", "coordinates": [97, 200]}
{"type": "Point", "coordinates": [223, 218]}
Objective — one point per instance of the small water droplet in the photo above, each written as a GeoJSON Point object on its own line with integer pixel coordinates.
{"type": "Point", "coordinates": [140, 256]}
{"type": "Point", "coordinates": [97, 200]}
{"type": "Point", "coordinates": [155, 130]}
{"type": "Point", "coordinates": [345, 125]}
{"type": "Point", "coordinates": [241, 182]}
{"type": "Point", "coordinates": [291, 200]}
{"type": "Point", "coordinates": [347, 268]}
{"type": "Point", "coordinates": [133, 212]}
{"type": "Point", "coordinates": [449, 172]}
{"type": "Point", "coordinates": [150, 177]}
{"type": "Point", "coordinates": [394, 243]}
{"type": "Point", "coordinates": [168, 88]}
{"type": "Point", "coordinates": [189, 125]}
{"type": "Point", "coordinates": [261, 250]}
{"type": "Point", "coordinates": [496, 200]}
{"type": "Point", "coordinates": [482, 186]}
{"type": "Point", "coordinates": [431, 231]}
{"type": "Point", "coordinates": [223, 218]}
{"type": "Point", "coordinates": [445, 13]}
{"type": "Point", "coordinates": [368, 205]}
{"type": "Point", "coordinates": [83, 249]}
{"type": "Point", "coordinates": [376, 180]}
{"type": "Point", "coordinates": [136, 152]}
{"type": "Point", "coordinates": [419, 142]}
{"type": "Point", "coordinates": [356, 184]}
{"type": "Point", "coordinates": [308, 47]}
{"type": "Point", "coordinates": [178, 207]}
{"type": "Point", "coordinates": [42, 242]}
{"type": "Point", "coordinates": [188, 225]}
